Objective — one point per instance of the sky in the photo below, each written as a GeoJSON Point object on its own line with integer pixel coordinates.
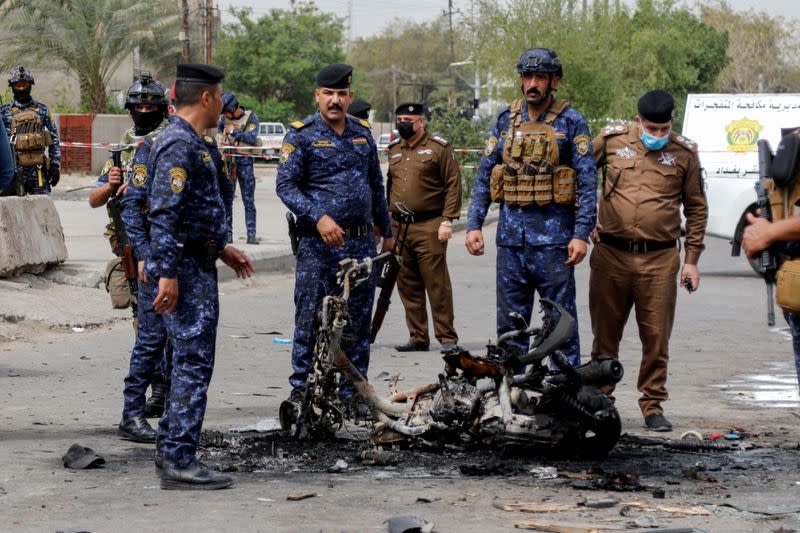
{"type": "Point", "coordinates": [372, 16]}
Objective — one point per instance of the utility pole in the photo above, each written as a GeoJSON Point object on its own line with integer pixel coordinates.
{"type": "Point", "coordinates": [349, 34]}
{"type": "Point", "coordinates": [452, 39]}
{"type": "Point", "coordinates": [394, 88]}
{"type": "Point", "coordinates": [209, 32]}
{"type": "Point", "coordinates": [187, 54]}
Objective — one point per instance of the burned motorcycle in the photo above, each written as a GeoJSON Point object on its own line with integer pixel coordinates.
{"type": "Point", "coordinates": [506, 399]}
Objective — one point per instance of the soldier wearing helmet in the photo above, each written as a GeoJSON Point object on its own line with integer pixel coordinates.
{"type": "Point", "coordinates": [239, 127]}
{"type": "Point", "coordinates": [538, 164]}
{"type": "Point", "coordinates": [33, 135]}
{"type": "Point", "coordinates": [146, 101]}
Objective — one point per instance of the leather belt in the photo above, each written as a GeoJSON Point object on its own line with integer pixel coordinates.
{"type": "Point", "coordinates": [349, 231]}
{"type": "Point", "coordinates": [636, 247]}
{"type": "Point", "coordinates": [416, 217]}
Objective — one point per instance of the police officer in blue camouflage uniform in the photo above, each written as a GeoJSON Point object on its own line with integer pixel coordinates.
{"type": "Point", "coordinates": [147, 104]}
{"type": "Point", "coordinates": [239, 127]}
{"type": "Point", "coordinates": [539, 165]}
{"type": "Point", "coordinates": [330, 178]}
{"type": "Point", "coordinates": [189, 199]}
{"type": "Point", "coordinates": [39, 161]}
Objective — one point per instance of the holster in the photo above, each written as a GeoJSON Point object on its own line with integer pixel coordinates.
{"type": "Point", "coordinates": [292, 222]}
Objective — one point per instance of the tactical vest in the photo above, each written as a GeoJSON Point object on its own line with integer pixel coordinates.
{"type": "Point", "coordinates": [30, 137]}
{"type": "Point", "coordinates": [530, 173]}
{"type": "Point", "coordinates": [784, 204]}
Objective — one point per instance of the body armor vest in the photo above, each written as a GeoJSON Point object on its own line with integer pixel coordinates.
{"type": "Point", "coordinates": [29, 137]}
{"type": "Point", "coordinates": [530, 173]}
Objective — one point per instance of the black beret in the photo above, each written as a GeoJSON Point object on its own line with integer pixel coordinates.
{"type": "Point", "coordinates": [410, 108]}
{"type": "Point", "coordinates": [336, 76]}
{"type": "Point", "coordinates": [199, 73]}
{"type": "Point", "coordinates": [359, 108]}
{"type": "Point", "coordinates": [656, 106]}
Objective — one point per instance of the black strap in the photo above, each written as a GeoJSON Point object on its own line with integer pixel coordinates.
{"type": "Point", "coordinates": [417, 217]}
{"type": "Point", "coordinates": [349, 231]}
{"type": "Point", "coordinates": [641, 246]}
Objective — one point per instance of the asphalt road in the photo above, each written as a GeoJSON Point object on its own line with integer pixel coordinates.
{"type": "Point", "coordinates": [60, 387]}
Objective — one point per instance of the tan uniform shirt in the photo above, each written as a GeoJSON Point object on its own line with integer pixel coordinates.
{"type": "Point", "coordinates": [425, 176]}
{"type": "Point", "coordinates": [643, 190]}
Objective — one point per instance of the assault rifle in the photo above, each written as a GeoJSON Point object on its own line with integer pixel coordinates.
{"type": "Point", "coordinates": [388, 276]}
{"type": "Point", "coordinates": [767, 264]}
{"type": "Point", "coordinates": [124, 249]}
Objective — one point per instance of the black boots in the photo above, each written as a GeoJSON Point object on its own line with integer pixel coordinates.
{"type": "Point", "coordinates": [154, 407]}
{"type": "Point", "coordinates": [137, 429]}
{"type": "Point", "coordinates": [196, 476]}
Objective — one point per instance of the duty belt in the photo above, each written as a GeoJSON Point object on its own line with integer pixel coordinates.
{"type": "Point", "coordinates": [205, 251]}
{"type": "Point", "coordinates": [349, 231]}
{"type": "Point", "coordinates": [416, 217]}
{"type": "Point", "coordinates": [641, 246]}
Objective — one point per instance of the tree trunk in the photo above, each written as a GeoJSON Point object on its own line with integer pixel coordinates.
{"type": "Point", "coordinates": [99, 103]}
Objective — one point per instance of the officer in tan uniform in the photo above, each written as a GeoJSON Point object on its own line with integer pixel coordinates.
{"type": "Point", "coordinates": [648, 172]}
{"type": "Point", "coordinates": [424, 175]}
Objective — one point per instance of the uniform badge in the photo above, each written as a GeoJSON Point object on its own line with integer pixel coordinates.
{"type": "Point", "coordinates": [582, 144]}
{"type": "Point", "coordinates": [251, 127]}
{"type": "Point", "coordinates": [139, 175]}
{"type": "Point", "coordinates": [177, 179]}
{"type": "Point", "coordinates": [206, 157]}
{"type": "Point", "coordinates": [491, 142]}
{"type": "Point", "coordinates": [323, 143]}
{"type": "Point", "coordinates": [626, 153]}
{"type": "Point", "coordinates": [562, 135]}
{"type": "Point", "coordinates": [106, 167]}
{"type": "Point", "coordinates": [286, 151]}
{"type": "Point", "coordinates": [668, 159]}
{"type": "Point", "coordinates": [359, 140]}
{"type": "Point", "coordinates": [208, 139]}
{"type": "Point", "coordinates": [398, 154]}
{"type": "Point", "coordinates": [425, 152]}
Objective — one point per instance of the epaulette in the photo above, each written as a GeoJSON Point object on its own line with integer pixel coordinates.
{"type": "Point", "coordinates": [440, 140]}
{"type": "Point", "coordinates": [393, 143]}
{"type": "Point", "coordinates": [608, 131]}
{"type": "Point", "coordinates": [683, 141]}
{"type": "Point", "coordinates": [299, 124]}
{"type": "Point", "coordinates": [365, 123]}
{"type": "Point", "coordinates": [208, 139]}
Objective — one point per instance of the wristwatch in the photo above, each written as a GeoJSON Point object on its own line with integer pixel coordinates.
{"type": "Point", "coordinates": [448, 223]}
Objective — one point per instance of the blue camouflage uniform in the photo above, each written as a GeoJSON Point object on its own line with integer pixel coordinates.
{"type": "Point", "coordinates": [150, 350]}
{"type": "Point", "coordinates": [532, 241]}
{"type": "Point", "coordinates": [31, 174]}
{"type": "Point", "coordinates": [190, 199]}
{"type": "Point", "coordinates": [6, 159]}
{"type": "Point", "coordinates": [248, 135]}
{"type": "Point", "coordinates": [321, 172]}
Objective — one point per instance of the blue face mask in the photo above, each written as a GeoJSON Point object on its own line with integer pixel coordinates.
{"type": "Point", "coordinates": [654, 143]}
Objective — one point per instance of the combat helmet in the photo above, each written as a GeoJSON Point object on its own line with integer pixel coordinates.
{"type": "Point", "coordinates": [229, 102]}
{"type": "Point", "coordinates": [535, 60]}
{"type": "Point", "coordinates": [146, 91]}
{"type": "Point", "coordinates": [18, 74]}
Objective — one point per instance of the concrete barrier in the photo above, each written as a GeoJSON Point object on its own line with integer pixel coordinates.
{"type": "Point", "coordinates": [31, 236]}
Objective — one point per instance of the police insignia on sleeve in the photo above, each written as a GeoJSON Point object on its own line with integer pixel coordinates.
{"type": "Point", "coordinates": [491, 142]}
{"type": "Point", "coordinates": [582, 144]}
{"type": "Point", "coordinates": [177, 179]}
{"type": "Point", "coordinates": [106, 167]}
{"type": "Point", "coordinates": [139, 175]}
{"type": "Point", "coordinates": [251, 127]}
{"type": "Point", "coordinates": [286, 151]}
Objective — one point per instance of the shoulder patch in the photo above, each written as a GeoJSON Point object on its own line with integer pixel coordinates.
{"type": "Point", "coordinates": [298, 124]}
{"type": "Point", "coordinates": [177, 179]}
{"type": "Point", "coordinates": [582, 144]}
{"type": "Point", "coordinates": [139, 175]}
{"type": "Point", "coordinates": [251, 127]}
{"type": "Point", "coordinates": [440, 140]}
{"type": "Point", "coordinates": [106, 167]}
{"type": "Point", "coordinates": [686, 143]}
{"type": "Point", "coordinates": [491, 142]}
{"type": "Point", "coordinates": [286, 151]}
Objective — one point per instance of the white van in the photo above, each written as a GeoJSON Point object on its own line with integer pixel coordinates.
{"type": "Point", "coordinates": [271, 135]}
{"type": "Point", "coordinates": [726, 128]}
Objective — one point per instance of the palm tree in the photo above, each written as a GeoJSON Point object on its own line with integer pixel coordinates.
{"type": "Point", "coordinates": [91, 37]}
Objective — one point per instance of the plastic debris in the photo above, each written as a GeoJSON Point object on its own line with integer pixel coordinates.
{"type": "Point", "coordinates": [281, 340]}
{"type": "Point", "coordinates": [262, 426]}
{"type": "Point", "coordinates": [339, 466]}
{"type": "Point", "coordinates": [409, 524]}
{"type": "Point", "coordinates": [544, 472]}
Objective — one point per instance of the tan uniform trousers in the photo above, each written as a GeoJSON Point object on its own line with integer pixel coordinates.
{"type": "Point", "coordinates": [647, 282]}
{"type": "Point", "coordinates": [424, 271]}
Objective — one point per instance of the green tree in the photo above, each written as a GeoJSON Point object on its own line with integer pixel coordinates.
{"type": "Point", "coordinates": [90, 38]}
{"type": "Point", "coordinates": [409, 61]}
{"type": "Point", "coordinates": [610, 55]}
{"type": "Point", "coordinates": [274, 60]}
{"type": "Point", "coordinates": [762, 49]}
